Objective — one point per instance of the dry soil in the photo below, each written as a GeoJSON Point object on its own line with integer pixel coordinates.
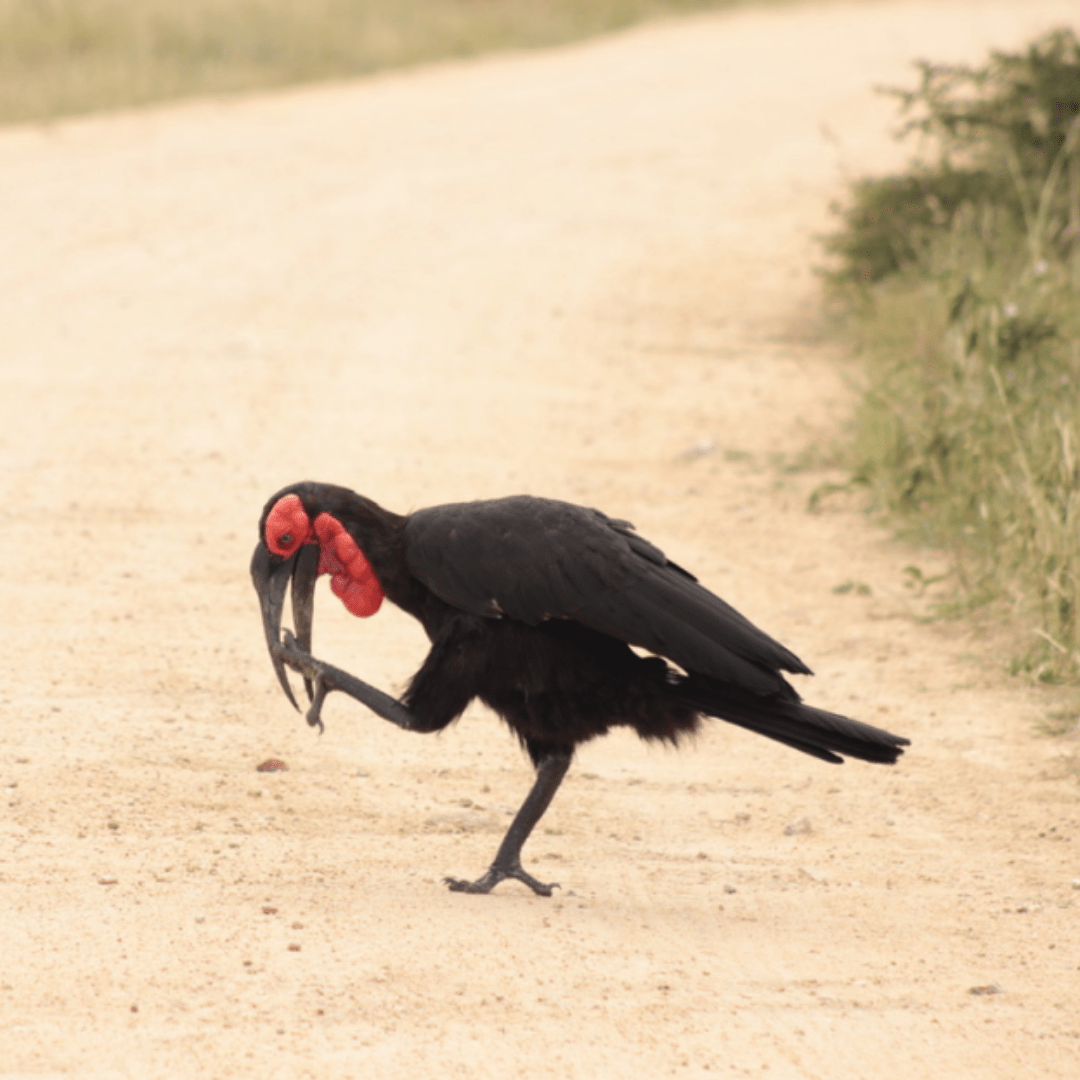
{"type": "Point", "coordinates": [586, 274]}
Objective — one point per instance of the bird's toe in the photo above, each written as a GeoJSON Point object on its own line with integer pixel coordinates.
{"type": "Point", "coordinates": [459, 885]}
{"type": "Point", "coordinates": [494, 876]}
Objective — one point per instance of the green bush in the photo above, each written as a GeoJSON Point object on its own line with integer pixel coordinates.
{"type": "Point", "coordinates": [960, 281]}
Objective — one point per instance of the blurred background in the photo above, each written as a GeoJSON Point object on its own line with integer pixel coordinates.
{"type": "Point", "coordinates": [69, 56]}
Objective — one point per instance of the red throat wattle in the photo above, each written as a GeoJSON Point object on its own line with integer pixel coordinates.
{"type": "Point", "coordinates": [352, 579]}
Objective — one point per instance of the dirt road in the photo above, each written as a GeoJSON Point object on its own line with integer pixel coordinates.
{"type": "Point", "coordinates": [557, 274]}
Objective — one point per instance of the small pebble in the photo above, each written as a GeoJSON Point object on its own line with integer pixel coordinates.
{"type": "Point", "coordinates": [984, 991]}
{"type": "Point", "coordinates": [272, 765]}
{"type": "Point", "coordinates": [268, 910]}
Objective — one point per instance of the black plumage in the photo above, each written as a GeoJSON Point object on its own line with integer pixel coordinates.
{"type": "Point", "coordinates": [532, 606]}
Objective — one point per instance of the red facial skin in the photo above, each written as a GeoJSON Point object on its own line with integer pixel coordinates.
{"type": "Point", "coordinates": [352, 579]}
{"type": "Point", "coordinates": [287, 526]}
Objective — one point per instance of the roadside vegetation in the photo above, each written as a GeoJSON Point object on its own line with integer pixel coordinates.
{"type": "Point", "coordinates": [59, 57]}
{"type": "Point", "coordinates": [959, 281]}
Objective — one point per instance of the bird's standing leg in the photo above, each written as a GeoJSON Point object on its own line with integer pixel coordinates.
{"type": "Point", "coordinates": [549, 775]}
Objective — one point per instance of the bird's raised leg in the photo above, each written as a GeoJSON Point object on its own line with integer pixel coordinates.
{"type": "Point", "coordinates": [326, 678]}
{"type": "Point", "coordinates": [549, 775]}
{"type": "Point", "coordinates": [550, 768]}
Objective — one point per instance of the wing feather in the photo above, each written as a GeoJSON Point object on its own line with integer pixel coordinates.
{"type": "Point", "coordinates": [534, 559]}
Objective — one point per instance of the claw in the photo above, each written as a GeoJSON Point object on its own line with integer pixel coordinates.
{"type": "Point", "coordinates": [289, 652]}
{"type": "Point", "coordinates": [496, 874]}
{"type": "Point", "coordinates": [326, 678]}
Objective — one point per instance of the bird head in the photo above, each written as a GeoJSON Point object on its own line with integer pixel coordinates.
{"type": "Point", "coordinates": [299, 539]}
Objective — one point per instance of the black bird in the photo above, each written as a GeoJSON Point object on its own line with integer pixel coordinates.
{"type": "Point", "coordinates": [532, 606]}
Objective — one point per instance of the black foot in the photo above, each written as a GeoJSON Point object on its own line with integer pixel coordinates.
{"type": "Point", "coordinates": [325, 678]}
{"type": "Point", "coordinates": [497, 874]}
{"type": "Point", "coordinates": [314, 672]}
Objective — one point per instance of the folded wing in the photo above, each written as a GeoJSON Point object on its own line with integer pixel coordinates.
{"type": "Point", "coordinates": [535, 559]}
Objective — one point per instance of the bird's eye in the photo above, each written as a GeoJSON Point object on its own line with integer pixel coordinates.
{"type": "Point", "coordinates": [285, 539]}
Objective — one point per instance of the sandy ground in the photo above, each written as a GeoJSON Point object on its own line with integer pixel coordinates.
{"type": "Point", "coordinates": [553, 273]}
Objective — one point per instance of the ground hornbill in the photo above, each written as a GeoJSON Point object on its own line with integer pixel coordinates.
{"type": "Point", "coordinates": [532, 606]}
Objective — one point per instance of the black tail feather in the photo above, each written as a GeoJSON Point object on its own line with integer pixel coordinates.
{"type": "Point", "coordinates": [816, 732]}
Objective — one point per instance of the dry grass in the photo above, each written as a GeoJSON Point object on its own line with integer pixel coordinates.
{"type": "Point", "coordinates": [962, 281]}
{"type": "Point", "coordinates": [60, 57]}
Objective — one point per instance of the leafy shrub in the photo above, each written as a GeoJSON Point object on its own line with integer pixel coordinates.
{"type": "Point", "coordinates": [961, 282]}
{"type": "Point", "coordinates": [893, 221]}
{"type": "Point", "coordinates": [1006, 138]}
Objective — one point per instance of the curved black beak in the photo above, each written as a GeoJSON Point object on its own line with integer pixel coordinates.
{"type": "Point", "coordinates": [304, 577]}
{"type": "Point", "coordinates": [271, 578]}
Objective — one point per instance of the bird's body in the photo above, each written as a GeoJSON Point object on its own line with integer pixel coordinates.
{"type": "Point", "coordinates": [533, 606]}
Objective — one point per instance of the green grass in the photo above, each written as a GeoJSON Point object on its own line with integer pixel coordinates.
{"type": "Point", "coordinates": [59, 57]}
{"type": "Point", "coordinates": [960, 282]}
